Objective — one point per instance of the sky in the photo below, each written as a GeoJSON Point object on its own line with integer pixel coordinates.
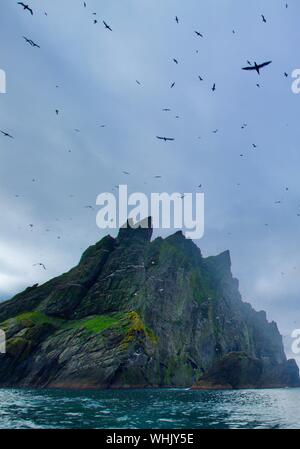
{"type": "Point", "coordinates": [49, 172]}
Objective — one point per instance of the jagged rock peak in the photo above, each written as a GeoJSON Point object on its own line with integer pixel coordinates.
{"type": "Point", "coordinates": [142, 230]}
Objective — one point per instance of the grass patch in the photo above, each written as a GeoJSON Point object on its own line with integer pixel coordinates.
{"type": "Point", "coordinates": [31, 319]}
{"type": "Point", "coordinates": [97, 323]}
{"type": "Point", "coordinates": [101, 322]}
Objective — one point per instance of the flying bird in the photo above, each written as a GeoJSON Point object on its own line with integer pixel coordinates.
{"type": "Point", "coordinates": [214, 87]}
{"type": "Point", "coordinates": [26, 7]}
{"type": "Point", "coordinates": [39, 264]}
{"type": "Point", "coordinates": [199, 34]}
{"type": "Point", "coordinates": [257, 67]}
{"type": "Point", "coordinates": [286, 74]}
{"type": "Point", "coordinates": [263, 18]}
{"type": "Point", "coordinates": [165, 138]}
{"type": "Point", "coordinates": [126, 172]}
{"type": "Point", "coordinates": [31, 42]}
{"type": "Point", "coordinates": [5, 134]}
{"type": "Point", "coordinates": [107, 26]}
{"type": "Point", "coordinates": [176, 19]}
{"type": "Point", "coordinates": [175, 60]}
{"type": "Point", "coordinates": [200, 78]}
{"type": "Point", "coordinates": [172, 85]}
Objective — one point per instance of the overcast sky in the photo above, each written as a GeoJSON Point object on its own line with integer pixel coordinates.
{"type": "Point", "coordinates": [49, 172]}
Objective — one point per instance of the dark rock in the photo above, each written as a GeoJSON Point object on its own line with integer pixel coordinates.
{"type": "Point", "coordinates": [136, 312]}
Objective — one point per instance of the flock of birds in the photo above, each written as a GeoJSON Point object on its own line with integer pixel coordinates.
{"type": "Point", "coordinates": [250, 67]}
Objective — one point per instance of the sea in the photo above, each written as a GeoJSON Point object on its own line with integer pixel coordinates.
{"type": "Point", "coordinates": [149, 409]}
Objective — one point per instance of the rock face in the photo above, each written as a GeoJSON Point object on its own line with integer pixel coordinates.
{"type": "Point", "coordinates": [137, 313]}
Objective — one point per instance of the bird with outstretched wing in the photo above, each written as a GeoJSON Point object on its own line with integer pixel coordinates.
{"type": "Point", "coordinates": [166, 139]}
{"type": "Point", "coordinates": [257, 67]}
{"type": "Point", "coordinates": [26, 7]}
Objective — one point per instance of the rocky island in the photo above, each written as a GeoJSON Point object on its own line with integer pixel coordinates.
{"type": "Point", "coordinates": [137, 312]}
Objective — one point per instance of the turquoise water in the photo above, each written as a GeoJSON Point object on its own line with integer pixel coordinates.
{"type": "Point", "coordinates": [159, 409]}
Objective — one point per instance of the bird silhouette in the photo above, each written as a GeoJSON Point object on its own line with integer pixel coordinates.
{"type": "Point", "coordinates": [172, 85]}
{"type": "Point", "coordinates": [175, 60]}
{"type": "Point", "coordinates": [31, 42]}
{"type": "Point", "coordinates": [107, 26]}
{"type": "Point", "coordinates": [39, 264]}
{"type": "Point", "coordinates": [198, 34]}
{"type": "Point", "coordinates": [214, 87]}
{"type": "Point", "coordinates": [26, 7]}
{"type": "Point", "coordinates": [263, 18]}
{"type": "Point", "coordinates": [176, 19]}
{"type": "Point", "coordinates": [5, 134]}
{"type": "Point", "coordinates": [257, 67]}
{"type": "Point", "coordinates": [200, 78]}
{"type": "Point", "coordinates": [166, 139]}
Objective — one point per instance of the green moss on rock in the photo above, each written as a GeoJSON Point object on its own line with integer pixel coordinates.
{"type": "Point", "coordinates": [137, 328]}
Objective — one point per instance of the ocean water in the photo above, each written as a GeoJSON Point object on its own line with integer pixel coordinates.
{"type": "Point", "coordinates": [150, 409]}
